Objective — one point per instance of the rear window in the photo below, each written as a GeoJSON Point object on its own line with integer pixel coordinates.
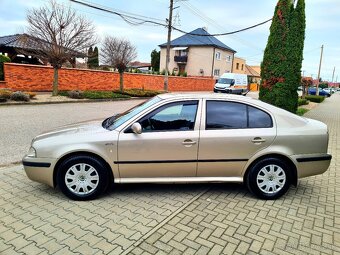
{"type": "Point", "coordinates": [233, 115]}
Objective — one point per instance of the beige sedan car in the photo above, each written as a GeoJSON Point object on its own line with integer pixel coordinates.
{"type": "Point", "coordinates": [174, 138]}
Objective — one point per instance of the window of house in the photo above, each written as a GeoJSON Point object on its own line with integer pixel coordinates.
{"type": "Point", "coordinates": [218, 55]}
{"type": "Point", "coordinates": [237, 66]}
{"type": "Point", "coordinates": [232, 115]}
{"type": "Point", "coordinates": [216, 72]}
{"type": "Point", "coordinates": [242, 67]}
{"type": "Point", "coordinates": [228, 58]}
{"type": "Point", "coordinates": [179, 116]}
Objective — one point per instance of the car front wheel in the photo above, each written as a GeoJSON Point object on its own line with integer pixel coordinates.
{"type": "Point", "coordinates": [269, 178]}
{"type": "Point", "coordinates": [82, 177]}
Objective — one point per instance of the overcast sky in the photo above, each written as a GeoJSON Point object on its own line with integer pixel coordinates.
{"type": "Point", "coordinates": [323, 25]}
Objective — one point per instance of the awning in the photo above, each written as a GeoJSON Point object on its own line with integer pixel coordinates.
{"type": "Point", "coordinates": [179, 48]}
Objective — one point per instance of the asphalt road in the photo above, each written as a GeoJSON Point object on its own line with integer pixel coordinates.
{"type": "Point", "coordinates": [20, 124]}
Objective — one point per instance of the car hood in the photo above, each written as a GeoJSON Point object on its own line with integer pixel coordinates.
{"type": "Point", "coordinates": [81, 128]}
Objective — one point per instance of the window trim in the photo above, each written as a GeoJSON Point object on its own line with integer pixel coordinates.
{"type": "Point", "coordinates": [129, 130]}
{"type": "Point", "coordinates": [247, 109]}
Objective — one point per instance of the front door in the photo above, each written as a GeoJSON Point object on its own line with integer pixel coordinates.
{"type": "Point", "coordinates": [167, 146]}
{"type": "Point", "coordinates": [231, 134]}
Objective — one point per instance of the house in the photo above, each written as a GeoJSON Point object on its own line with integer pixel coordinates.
{"type": "Point", "coordinates": [239, 65]}
{"type": "Point", "coordinates": [202, 55]}
{"type": "Point", "coordinates": [143, 67]}
{"type": "Point", "coordinates": [254, 76]}
{"type": "Point", "coordinates": [21, 48]}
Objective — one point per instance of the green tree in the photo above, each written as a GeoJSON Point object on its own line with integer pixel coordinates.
{"type": "Point", "coordinates": [280, 69]}
{"type": "Point", "coordinates": [155, 60]}
{"type": "Point", "coordinates": [3, 59]}
{"type": "Point", "coordinates": [89, 57]}
{"type": "Point", "coordinates": [95, 57]}
{"type": "Point", "coordinates": [294, 52]}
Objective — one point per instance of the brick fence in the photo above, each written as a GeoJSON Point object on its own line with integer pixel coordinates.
{"type": "Point", "coordinates": [40, 78]}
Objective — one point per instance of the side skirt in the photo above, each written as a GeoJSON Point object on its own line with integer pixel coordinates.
{"type": "Point", "coordinates": [179, 180]}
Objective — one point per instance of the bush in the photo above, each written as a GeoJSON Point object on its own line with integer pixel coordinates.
{"type": "Point", "coordinates": [3, 100]}
{"type": "Point", "coordinates": [5, 93]}
{"type": "Point", "coordinates": [316, 99]}
{"type": "Point", "coordinates": [141, 93]}
{"type": "Point", "coordinates": [63, 93]}
{"type": "Point", "coordinates": [301, 111]}
{"type": "Point", "coordinates": [103, 95]}
{"type": "Point", "coordinates": [163, 72]}
{"type": "Point", "coordinates": [185, 74]}
{"type": "Point", "coordinates": [302, 101]}
{"type": "Point", "coordinates": [20, 96]}
{"type": "Point", "coordinates": [76, 94]}
{"type": "Point", "coordinates": [31, 94]}
{"type": "Point", "coordinates": [3, 59]}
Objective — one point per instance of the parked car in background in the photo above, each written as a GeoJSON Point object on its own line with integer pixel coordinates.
{"type": "Point", "coordinates": [183, 138]}
{"type": "Point", "coordinates": [232, 83]}
{"type": "Point", "coordinates": [322, 92]}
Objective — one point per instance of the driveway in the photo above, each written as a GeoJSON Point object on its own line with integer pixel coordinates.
{"type": "Point", "coordinates": [20, 124]}
{"type": "Point", "coordinates": [176, 219]}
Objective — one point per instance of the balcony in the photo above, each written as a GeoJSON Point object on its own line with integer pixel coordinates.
{"type": "Point", "coordinates": [181, 59]}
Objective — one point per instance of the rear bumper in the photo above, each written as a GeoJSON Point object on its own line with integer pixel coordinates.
{"type": "Point", "coordinates": [39, 169]}
{"type": "Point", "coordinates": [312, 164]}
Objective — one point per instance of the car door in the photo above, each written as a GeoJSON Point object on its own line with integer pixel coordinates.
{"type": "Point", "coordinates": [167, 146]}
{"type": "Point", "coordinates": [231, 132]}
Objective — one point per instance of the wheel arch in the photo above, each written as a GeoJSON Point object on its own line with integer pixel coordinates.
{"type": "Point", "coordinates": [291, 165]}
{"type": "Point", "coordinates": [80, 153]}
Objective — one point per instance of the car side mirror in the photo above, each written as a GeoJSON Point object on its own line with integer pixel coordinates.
{"type": "Point", "coordinates": [136, 128]}
{"type": "Point", "coordinates": [232, 83]}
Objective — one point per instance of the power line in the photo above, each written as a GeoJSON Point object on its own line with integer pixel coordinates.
{"type": "Point", "coordinates": [140, 21]}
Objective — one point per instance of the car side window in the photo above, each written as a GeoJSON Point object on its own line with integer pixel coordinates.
{"type": "Point", "coordinates": [233, 115]}
{"type": "Point", "coordinates": [259, 118]}
{"type": "Point", "coordinates": [178, 116]}
{"type": "Point", "coordinates": [225, 115]}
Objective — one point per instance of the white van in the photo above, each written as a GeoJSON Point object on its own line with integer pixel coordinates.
{"type": "Point", "coordinates": [232, 83]}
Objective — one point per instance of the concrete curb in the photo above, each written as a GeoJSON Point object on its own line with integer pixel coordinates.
{"type": "Point", "coordinates": [70, 102]}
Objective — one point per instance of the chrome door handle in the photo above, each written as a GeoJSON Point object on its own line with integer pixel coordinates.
{"type": "Point", "coordinates": [258, 140]}
{"type": "Point", "coordinates": [188, 142]}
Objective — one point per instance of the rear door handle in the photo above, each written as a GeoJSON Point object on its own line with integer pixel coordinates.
{"type": "Point", "coordinates": [188, 142]}
{"type": "Point", "coordinates": [258, 140]}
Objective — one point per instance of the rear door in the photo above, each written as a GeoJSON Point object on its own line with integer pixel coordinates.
{"type": "Point", "coordinates": [231, 132]}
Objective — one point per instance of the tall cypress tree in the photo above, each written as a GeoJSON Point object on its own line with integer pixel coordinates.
{"type": "Point", "coordinates": [294, 52]}
{"type": "Point", "coordinates": [89, 57]}
{"type": "Point", "coordinates": [280, 69]}
{"type": "Point", "coordinates": [95, 57]}
{"type": "Point", "coordinates": [273, 67]}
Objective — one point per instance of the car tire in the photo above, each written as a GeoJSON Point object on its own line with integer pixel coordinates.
{"type": "Point", "coordinates": [82, 177]}
{"type": "Point", "coordinates": [269, 178]}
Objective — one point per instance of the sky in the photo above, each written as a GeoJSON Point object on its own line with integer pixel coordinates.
{"type": "Point", "coordinates": [322, 26]}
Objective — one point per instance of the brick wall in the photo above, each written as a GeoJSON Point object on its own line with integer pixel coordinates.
{"type": "Point", "coordinates": [3, 84]}
{"type": "Point", "coordinates": [40, 78]}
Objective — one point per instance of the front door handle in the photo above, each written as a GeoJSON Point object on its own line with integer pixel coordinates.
{"type": "Point", "coordinates": [188, 142]}
{"type": "Point", "coordinates": [258, 140]}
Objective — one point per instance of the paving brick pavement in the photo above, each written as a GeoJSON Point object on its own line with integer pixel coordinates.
{"type": "Point", "coordinates": [176, 219]}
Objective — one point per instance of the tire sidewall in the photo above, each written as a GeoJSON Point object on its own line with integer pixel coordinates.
{"type": "Point", "coordinates": [97, 164]}
{"type": "Point", "coordinates": [252, 177]}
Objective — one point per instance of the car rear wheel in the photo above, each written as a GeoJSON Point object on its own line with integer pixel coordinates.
{"type": "Point", "coordinates": [82, 177]}
{"type": "Point", "coordinates": [269, 178]}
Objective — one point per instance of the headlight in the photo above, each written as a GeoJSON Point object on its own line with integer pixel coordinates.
{"type": "Point", "coordinates": [31, 153]}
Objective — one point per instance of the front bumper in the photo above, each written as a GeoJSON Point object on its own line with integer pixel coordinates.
{"type": "Point", "coordinates": [312, 164]}
{"type": "Point", "coordinates": [39, 169]}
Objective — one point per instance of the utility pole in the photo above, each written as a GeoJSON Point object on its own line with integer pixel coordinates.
{"type": "Point", "coordinates": [333, 74]}
{"type": "Point", "coordinates": [318, 81]}
{"type": "Point", "coordinates": [167, 59]}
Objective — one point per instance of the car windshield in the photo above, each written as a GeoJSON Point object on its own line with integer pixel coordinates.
{"type": "Point", "coordinates": [225, 81]}
{"type": "Point", "coordinates": [115, 121]}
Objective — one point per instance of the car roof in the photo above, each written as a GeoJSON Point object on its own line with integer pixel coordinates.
{"type": "Point", "coordinates": [203, 95]}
